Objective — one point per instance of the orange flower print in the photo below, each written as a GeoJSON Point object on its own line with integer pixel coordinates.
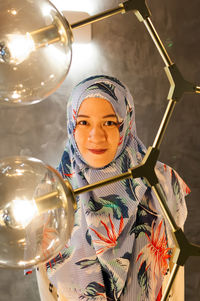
{"type": "Point", "coordinates": [155, 253]}
{"type": "Point", "coordinates": [110, 240]}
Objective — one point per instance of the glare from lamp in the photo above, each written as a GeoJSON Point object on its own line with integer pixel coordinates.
{"type": "Point", "coordinates": [23, 211]}
{"type": "Point", "coordinates": [19, 48]}
{"type": "Point", "coordinates": [87, 6]}
{"type": "Point", "coordinates": [83, 53]}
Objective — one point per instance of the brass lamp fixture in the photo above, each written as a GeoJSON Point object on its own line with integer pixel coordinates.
{"type": "Point", "coordinates": [35, 50]}
{"type": "Point", "coordinates": [50, 201]}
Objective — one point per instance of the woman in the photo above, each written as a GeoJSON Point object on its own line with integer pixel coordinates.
{"type": "Point", "coordinates": [120, 244]}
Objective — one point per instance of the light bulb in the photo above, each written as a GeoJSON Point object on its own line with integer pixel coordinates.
{"type": "Point", "coordinates": [28, 73]}
{"type": "Point", "coordinates": [23, 212]}
{"type": "Point", "coordinates": [36, 212]}
{"type": "Point", "coordinates": [18, 49]}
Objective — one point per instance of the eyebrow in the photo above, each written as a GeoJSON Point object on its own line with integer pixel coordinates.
{"type": "Point", "coordinates": [111, 115]}
{"type": "Point", "coordinates": [106, 116]}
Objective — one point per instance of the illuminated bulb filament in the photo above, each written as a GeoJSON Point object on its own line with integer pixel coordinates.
{"type": "Point", "coordinates": [23, 211]}
{"type": "Point", "coordinates": [20, 47]}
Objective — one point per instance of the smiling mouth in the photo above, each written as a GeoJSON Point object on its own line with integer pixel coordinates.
{"type": "Point", "coordinates": [97, 151]}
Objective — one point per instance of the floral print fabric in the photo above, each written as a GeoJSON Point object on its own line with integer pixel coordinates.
{"type": "Point", "coordinates": [120, 244]}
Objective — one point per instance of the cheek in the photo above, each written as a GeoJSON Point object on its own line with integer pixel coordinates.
{"type": "Point", "coordinates": [114, 138]}
{"type": "Point", "coordinates": [76, 136]}
{"type": "Point", "coordinates": [80, 137]}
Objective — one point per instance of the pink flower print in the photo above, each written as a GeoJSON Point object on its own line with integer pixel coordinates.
{"type": "Point", "coordinates": [110, 240]}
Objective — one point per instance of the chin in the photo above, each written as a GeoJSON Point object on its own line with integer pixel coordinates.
{"type": "Point", "coordinates": [98, 165]}
{"type": "Point", "coordinates": [96, 162]}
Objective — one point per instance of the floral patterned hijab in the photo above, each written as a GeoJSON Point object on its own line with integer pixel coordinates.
{"type": "Point", "coordinates": [120, 244]}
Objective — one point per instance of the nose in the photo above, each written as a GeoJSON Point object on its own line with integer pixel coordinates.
{"type": "Point", "coordinates": [97, 134]}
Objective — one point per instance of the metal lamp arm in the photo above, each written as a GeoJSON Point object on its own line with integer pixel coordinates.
{"type": "Point", "coordinates": [139, 7]}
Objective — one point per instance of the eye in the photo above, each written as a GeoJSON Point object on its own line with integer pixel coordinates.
{"type": "Point", "coordinates": [82, 122]}
{"type": "Point", "coordinates": [110, 123]}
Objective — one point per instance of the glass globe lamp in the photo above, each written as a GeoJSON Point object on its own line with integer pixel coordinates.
{"type": "Point", "coordinates": [36, 212]}
{"type": "Point", "coordinates": [35, 50]}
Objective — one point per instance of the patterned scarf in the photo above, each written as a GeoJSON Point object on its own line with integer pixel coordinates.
{"type": "Point", "coordinates": [120, 244]}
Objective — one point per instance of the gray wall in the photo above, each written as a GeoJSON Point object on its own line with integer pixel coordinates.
{"type": "Point", "coordinates": [123, 48]}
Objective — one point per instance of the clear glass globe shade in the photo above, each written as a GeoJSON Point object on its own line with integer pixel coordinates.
{"type": "Point", "coordinates": [35, 50]}
{"type": "Point", "coordinates": [36, 212]}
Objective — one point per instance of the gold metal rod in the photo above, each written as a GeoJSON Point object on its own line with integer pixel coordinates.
{"type": "Point", "coordinates": [164, 123]}
{"type": "Point", "coordinates": [157, 42]}
{"type": "Point", "coordinates": [45, 36]}
{"type": "Point", "coordinates": [48, 201]}
{"type": "Point", "coordinates": [167, 213]}
{"type": "Point", "coordinates": [44, 29]}
{"type": "Point", "coordinates": [98, 17]}
{"type": "Point", "coordinates": [197, 89]}
{"type": "Point", "coordinates": [46, 196]}
{"type": "Point", "coordinates": [90, 187]}
{"type": "Point", "coordinates": [48, 43]}
{"type": "Point", "coordinates": [170, 282]}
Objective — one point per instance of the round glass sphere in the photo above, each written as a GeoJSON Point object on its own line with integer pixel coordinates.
{"type": "Point", "coordinates": [35, 50]}
{"type": "Point", "coordinates": [36, 212]}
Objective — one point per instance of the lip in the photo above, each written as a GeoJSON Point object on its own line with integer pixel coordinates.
{"type": "Point", "coordinates": [98, 151]}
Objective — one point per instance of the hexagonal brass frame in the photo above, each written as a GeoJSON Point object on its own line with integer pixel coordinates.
{"type": "Point", "coordinates": [178, 86]}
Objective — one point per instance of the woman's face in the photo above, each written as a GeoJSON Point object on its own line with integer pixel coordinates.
{"type": "Point", "coordinates": [96, 132]}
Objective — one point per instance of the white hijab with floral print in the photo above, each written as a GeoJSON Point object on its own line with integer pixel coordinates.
{"type": "Point", "coordinates": [120, 245]}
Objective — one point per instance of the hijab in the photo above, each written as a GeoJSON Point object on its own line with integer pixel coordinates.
{"type": "Point", "coordinates": [120, 244]}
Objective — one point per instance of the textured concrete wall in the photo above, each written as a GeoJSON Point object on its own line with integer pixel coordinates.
{"type": "Point", "coordinates": [122, 47]}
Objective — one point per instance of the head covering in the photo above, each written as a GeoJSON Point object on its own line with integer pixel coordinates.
{"type": "Point", "coordinates": [119, 246]}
